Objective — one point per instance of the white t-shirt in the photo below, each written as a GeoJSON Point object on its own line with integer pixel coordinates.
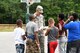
{"type": "Point", "coordinates": [18, 32]}
{"type": "Point", "coordinates": [31, 27]}
{"type": "Point", "coordinates": [39, 20]}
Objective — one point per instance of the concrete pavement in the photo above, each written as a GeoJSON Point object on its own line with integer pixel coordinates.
{"type": "Point", "coordinates": [7, 42]}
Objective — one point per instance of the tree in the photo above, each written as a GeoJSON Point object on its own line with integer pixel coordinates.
{"type": "Point", "coordinates": [16, 9]}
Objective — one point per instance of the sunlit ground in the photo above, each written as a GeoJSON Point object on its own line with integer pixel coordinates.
{"type": "Point", "coordinates": [8, 27]}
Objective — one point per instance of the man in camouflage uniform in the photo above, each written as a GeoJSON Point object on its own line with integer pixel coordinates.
{"type": "Point", "coordinates": [39, 20]}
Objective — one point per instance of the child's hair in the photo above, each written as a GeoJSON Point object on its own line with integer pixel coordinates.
{"type": "Point", "coordinates": [51, 20]}
{"type": "Point", "coordinates": [31, 17]}
{"type": "Point", "coordinates": [61, 16]}
{"type": "Point", "coordinates": [19, 21]}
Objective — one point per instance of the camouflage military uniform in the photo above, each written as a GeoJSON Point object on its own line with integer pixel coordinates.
{"type": "Point", "coordinates": [41, 40]}
{"type": "Point", "coordinates": [31, 46]}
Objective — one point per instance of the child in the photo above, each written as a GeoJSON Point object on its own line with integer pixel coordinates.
{"type": "Point", "coordinates": [62, 34]}
{"type": "Point", "coordinates": [32, 36]}
{"type": "Point", "coordinates": [52, 33]}
{"type": "Point", "coordinates": [19, 37]}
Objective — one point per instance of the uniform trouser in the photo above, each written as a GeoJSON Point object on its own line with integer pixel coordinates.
{"type": "Point", "coordinates": [31, 46]}
{"type": "Point", "coordinates": [41, 40]}
{"type": "Point", "coordinates": [20, 48]}
{"type": "Point", "coordinates": [52, 46]}
{"type": "Point", "coordinates": [62, 44]}
{"type": "Point", "coordinates": [73, 47]}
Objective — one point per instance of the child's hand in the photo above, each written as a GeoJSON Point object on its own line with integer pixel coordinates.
{"type": "Point", "coordinates": [23, 37]}
{"type": "Point", "coordinates": [38, 45]}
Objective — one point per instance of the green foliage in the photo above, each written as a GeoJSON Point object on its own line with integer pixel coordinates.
{"type": "Point", "coordinates": [14, 9]}
{"type": "Point", "coordinates": [11, 9]}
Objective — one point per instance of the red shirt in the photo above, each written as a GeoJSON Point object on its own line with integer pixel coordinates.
{"type": "Point", "coordinates": [61, 22]}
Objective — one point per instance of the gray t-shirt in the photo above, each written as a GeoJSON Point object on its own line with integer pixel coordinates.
{"type": "Point", "coordinates": [31, 27]}
{"type": "Point", "coordinates": [52, 34]}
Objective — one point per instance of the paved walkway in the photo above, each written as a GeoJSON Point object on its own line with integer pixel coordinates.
{"type": "Point", "coordinates": [7, 42]}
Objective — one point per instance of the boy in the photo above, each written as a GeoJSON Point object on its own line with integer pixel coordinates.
{"type": "Point", "coordinates": [52, 33]}
{"type": "Point", "coordinates": [32, 36]}
{"type": "Point", "coordinates": [19, 37]}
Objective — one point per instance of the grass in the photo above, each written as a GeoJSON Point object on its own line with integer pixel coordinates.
{"type": "Point", "coordinates": [8, 27]}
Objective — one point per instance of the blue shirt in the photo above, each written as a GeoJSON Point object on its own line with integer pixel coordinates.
{"type": "Point", "coordinates": [74, 30]}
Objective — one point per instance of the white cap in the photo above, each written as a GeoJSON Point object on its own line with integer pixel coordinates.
{"type": "Point", "coordinates": [39, 8]}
